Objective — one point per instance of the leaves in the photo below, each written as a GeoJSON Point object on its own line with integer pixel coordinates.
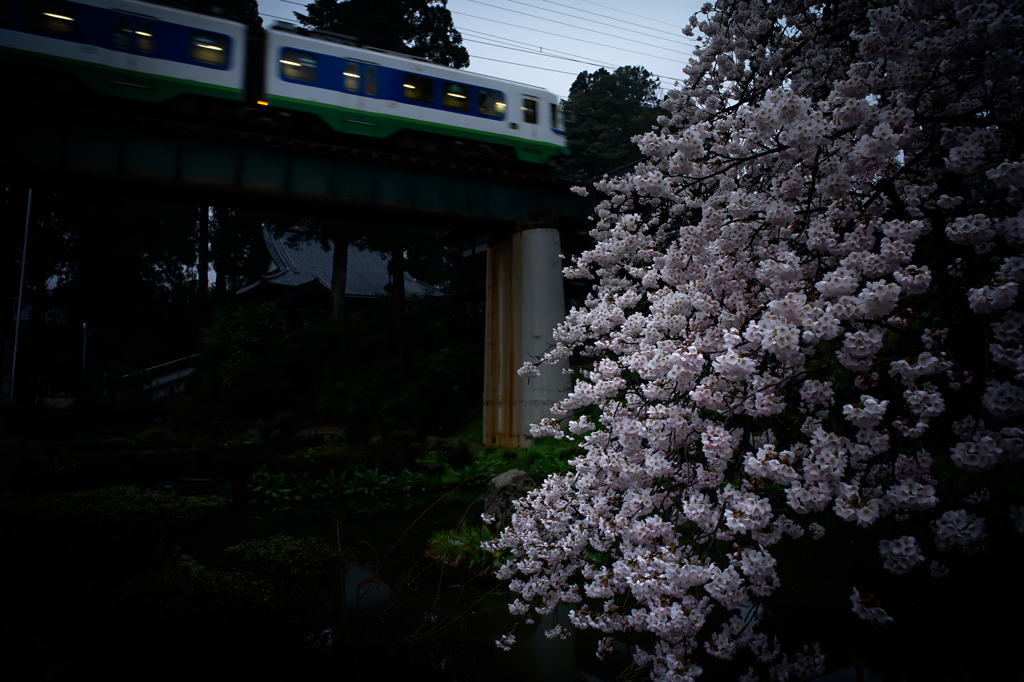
{"type": "Point", "coordinates": [422, 28]}
{"type": "Point", "coordinates": [606, 110]}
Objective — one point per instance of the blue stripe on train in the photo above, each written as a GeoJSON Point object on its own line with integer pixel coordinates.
{"type": "Point", "coordinates": [330, 75]}
{"type": "Point", "coordinates": [95, 26]}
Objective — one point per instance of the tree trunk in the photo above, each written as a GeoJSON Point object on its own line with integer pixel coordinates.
{"type": "Point", "coordinates": [398, 293]}
{"type": "Point", "coordinates": [204, 252]}
{"type": "Point", "coordinates": [339, 277]}
{"type": "Point", "coordinates": [222, 253]}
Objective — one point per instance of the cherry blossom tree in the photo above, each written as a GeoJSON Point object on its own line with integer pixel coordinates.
{"type": "Point", "coordinates": [805, 313]}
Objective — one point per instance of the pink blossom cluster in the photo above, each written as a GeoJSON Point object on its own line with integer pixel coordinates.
{"type": "Point", "coordinates": [959, 530]}
{"type": "Point", "coordinates": [901, 555]}
{"type": "Point", "coordinates": [867, 607]}
{"type": "Point", "coordinates": [805, 300]}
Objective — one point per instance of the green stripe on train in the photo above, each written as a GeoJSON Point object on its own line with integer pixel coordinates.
{"type": "Point", "coordinates": [356, 122]}
{"type": "Point", "coordinates": [127, 83]}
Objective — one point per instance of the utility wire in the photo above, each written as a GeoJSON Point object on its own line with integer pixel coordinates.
{"type": "Point", "coordinates": [551, 54]}
{"type": "Point", "coordinates": [536, 49]}
{"type": "Point", "coordinates": [607, 47]}
{"type": "Point", "coordinates": [490, 59]}
{"type": "Point", "coordinates": [545, 53]}
{"type": "Point", "coordinates": [559, 35]}
{"type": "Point", "coordinates": [552, 21]}
{"type": "Point", "coordinates": [596, 14]}
{"type": "Point", "coordinates": [601, 23]}
{"type": "Point", "coordinates": [538, 54]}
{"type": "Point", "coordinates": [605, 16]}
{"type": "Point", "coordinates": [615, 9]}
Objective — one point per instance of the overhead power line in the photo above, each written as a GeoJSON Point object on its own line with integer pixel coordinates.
{"type": "Point", "coordinates": [536, 50]}
{"type": "Point", "coordinates": [587, 60]}
{"type": "Point", "coordinates": [552, 21]}
{"type": "Point", "coordinates": [677, 39]}
{"type": "Point", "coordinates": [544, 52]}
{"type": "Point", "coordinates": [605, 16]}
{"type": "Point", "coordinates": [616, 9]}
{"type": "Point", "coordinates": [559, 35]}
{"type": "Point", "coordinates": [528, 66]}
{"type": "Point", "coordinates": [538, 54]}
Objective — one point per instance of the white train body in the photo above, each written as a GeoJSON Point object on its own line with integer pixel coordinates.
{"type": "Point", "coordinates": [156, 53]}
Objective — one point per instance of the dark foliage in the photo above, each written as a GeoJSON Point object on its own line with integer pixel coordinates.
{"type": "Point", "coordinates": [605, 111]}
{"type": "Point", "coordinates": [123, 266]}
{"type": "Point", "coordinates": [422, 28]}
{"type": "Point", "coordinates": [345, 372]}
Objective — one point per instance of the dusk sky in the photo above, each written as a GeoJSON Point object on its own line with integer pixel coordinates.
{"type": "Point", "coordinates": [548, 42]}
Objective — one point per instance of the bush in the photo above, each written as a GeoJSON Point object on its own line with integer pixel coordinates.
{"type": "Point", "coordinates": [251, 366]}
{"type": "Point", "coordinates": [460, 548]}
{"type": "Point", "coordinates": [125, 509]}
{"type": "Point", "coordinates": [295, 567]}
{"type": "Point", "coordinates": [156, 439]}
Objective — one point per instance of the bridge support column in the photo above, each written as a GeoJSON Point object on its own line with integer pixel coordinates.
{"type": "Point", "coordinates": [525, 301]}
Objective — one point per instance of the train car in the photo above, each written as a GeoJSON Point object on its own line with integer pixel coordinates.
{"type": "Point", "coordinates": [140, 51]}
{"type": "Point", "coordinates": [124, 48]}
{"type": "Point", "coordinates": [384, 95]}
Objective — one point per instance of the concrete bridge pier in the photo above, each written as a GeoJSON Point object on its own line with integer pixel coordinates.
{"type": "Point", "coordinates": [525, 301]}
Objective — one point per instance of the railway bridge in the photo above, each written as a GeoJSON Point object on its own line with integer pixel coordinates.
{"type": "Point", "coordinates": [519, 213]}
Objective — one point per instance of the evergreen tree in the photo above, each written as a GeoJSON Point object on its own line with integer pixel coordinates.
{"type": "Point", "coordinates": [245, 11]}
{"type": "Point", "coordinates": [606, 110]}
{"type": "Point", "coordinates": [422, 28]}
{"type": "Point", "coordinates": [236, 243]}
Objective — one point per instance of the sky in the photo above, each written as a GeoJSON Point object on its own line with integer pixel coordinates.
{"type": "Point", "coordinates": [546, 43]}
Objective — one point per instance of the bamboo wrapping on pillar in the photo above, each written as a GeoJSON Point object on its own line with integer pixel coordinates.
{"type": "Point", "coordinates": [500, 341]}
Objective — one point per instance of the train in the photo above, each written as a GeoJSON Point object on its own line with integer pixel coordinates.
{"type": "Point", "coordinates": [128, 51]}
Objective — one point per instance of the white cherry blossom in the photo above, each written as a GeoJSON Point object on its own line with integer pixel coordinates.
{"type": "Point", "coordinates": [805, 300]}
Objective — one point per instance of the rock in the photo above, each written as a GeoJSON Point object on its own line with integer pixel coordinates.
{"type": "Point", "coordinates": [502, 491]}
{"type": "Point", "coordinates": [324, 431]}
{"type": "Point", "coordinates": [430, 467]}
{"type": "Point", "coordinates": [364, 591]}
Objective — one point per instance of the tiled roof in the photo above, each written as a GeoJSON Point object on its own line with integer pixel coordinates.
{"type": "Point", "coordinates": [300, 261]}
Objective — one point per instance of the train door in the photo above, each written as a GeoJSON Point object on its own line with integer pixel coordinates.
{"type": "Point", "coordinates": [530, 110]}
{"type": "Point", "coordinates": [352, 84]}
{"type": "Point", "coordinates": [132, 37]}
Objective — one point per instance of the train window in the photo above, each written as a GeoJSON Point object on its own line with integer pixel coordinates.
{"type": "Point", "coordinates": [298, 66]}
{"type": "Point", "coordinates": [554, 115]}
{"type": "Point", "coordinates": [55, 17]}
{"type": "Point", "coordinates": [455, 96]}
{"type": "Point", "coordinates": [122, 32]}
{"type": "Point", "coordinates": [371, 80]}
{"type": "Point", "coordinates": [209, 49]}
{"type": "Point", "coordinates": [351, 76]}
{"type": "Point", "coordinates": [144, 37]}
{"type": "Point", "coordinates": [418, 89]}
{"type": "Point", "coordinates": [125, 34]}
{"type": "Point", "coordinates": [490, 103]}
{"type": "Point", "coordinates": [529, 110]}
